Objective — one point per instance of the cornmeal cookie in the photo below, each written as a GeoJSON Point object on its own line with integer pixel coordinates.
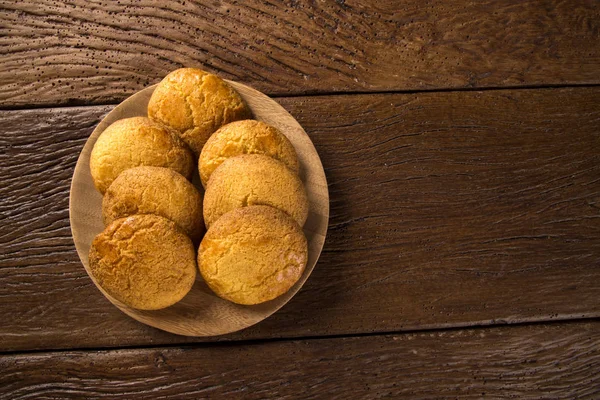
{"type": "Point", "coordinates": [144, 261]}
{"type": "Point", "coordinates": [195, 104]}
{"type": "Point", "coordinates": [155, 190]}
{"type": "Point", "coordinates": [253, 179]}
{"type": "Point", "coordinates": [245, 137]}
{"type": "Point", "coordinates": [136, 141]}
{"type": "Point", "coordinates": [253, 254]}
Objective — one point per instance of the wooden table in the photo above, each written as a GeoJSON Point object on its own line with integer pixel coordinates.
{"type": "Point", "coordinates": [461, 142]}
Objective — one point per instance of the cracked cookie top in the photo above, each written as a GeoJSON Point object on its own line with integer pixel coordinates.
{"type": "Point", "coordinates": [245, 137]}
{"type": "Point", "coordinates": [195, 104]}
{"type": "Point", "coordinates": [254, 179]}
{"type": "Point", "coordinates": [136, 141]}
{"type": "Point", "coordinates": [144, 261]}
{"type": "Point", "coordinates": [253, 254]}
{"type": "Point", "coordinates": [155, 190]}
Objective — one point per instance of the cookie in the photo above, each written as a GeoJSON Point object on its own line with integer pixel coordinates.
{"type": "Point", "coordinates": [245, 137]}
{"type": "Point", "coordinates": [254, 179]}
{"type": "Point", "coordinates": [144, 261]}
{"type": "Point", "coordinates": [195, 104]}
{"type": "Point", "coordinates": [136, 141]}
{"type": "Point", "coordinates": [252, 255]}
{"type": "Point", "coordinates": [155, 190]}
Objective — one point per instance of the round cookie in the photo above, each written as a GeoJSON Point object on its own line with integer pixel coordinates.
{"type": "Point", "coordinates": [144, 261]}
{"type": "Point", "coordinates": [253, 254]}
{"type": "Point", "coordinates": [136, 141]}
{"type": "Point", "coordinates": [253, 179]}
{"type": "Point", "coordinates": [195, 104]}
{"type": "Point", "coordinates": [245, 137]}
{"type": "Point", "coordinates": [155, 190]}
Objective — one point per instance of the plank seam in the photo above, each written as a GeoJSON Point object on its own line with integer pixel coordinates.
{"type": "Point", "coordinates": [249, 342]}
{"type": "Point", "coordinates": [334, 93]}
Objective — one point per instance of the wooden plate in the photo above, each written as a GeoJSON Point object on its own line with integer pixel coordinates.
{"type": "Point", "coordinates": [202, 313]}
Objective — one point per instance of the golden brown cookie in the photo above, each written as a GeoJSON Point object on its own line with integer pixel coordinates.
{"type": "Point", "coordinates": [253, 179]}
{"type": "Point", "coordinates": [136, 141]}
{"type": "Point", "coordinates": [195, 104]}
{"type": "Point", "coordinates": [245, 137]}
{"type": "Point", "coordinates": [155, 190]}
{"type": "Point", "coordinates": [144, 261]}
{"type": "Point", "coordinates": [253, 254]}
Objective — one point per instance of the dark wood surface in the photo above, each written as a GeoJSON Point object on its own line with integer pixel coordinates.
{"type": "Point", "coordinates": [78, 52]}
{"type": "Point", "coordinates": [440, 212]}
{"type": "Point", "coordinates": [461, 144]}
{"type": "Point", "coordinates": [520, 362]}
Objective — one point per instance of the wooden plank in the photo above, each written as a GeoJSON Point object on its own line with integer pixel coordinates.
{"type": "Point", "coordinates": [79, 52]}
{"type": "Point", "coordinates": [544, 361]}
{"type": "Point", "coordinates": [447, 209]}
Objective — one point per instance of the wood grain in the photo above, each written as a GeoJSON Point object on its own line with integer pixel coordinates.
{"type": "Point", "coordinates": [76, 52]}
{"type": "Point", "coordinates": [447, 209]}
{"type": "Point", "coordinates": [557, 361]}
{"type": "Point", "coordinates": [201, 312]}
